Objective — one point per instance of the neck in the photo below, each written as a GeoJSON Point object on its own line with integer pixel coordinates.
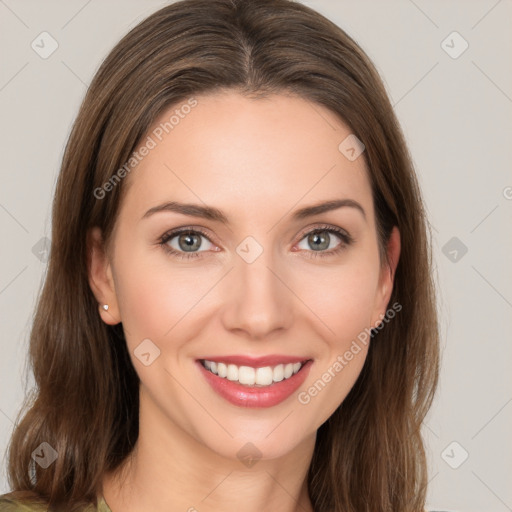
{"type": "Point", "coordinates": [170, 470]}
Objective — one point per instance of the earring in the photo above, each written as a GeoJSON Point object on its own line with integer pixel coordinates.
{"type": "Point", "coordinates": [105, 307]}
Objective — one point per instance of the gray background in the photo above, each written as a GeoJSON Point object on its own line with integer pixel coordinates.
{"type": "Point", "coordinates": [456, 115]}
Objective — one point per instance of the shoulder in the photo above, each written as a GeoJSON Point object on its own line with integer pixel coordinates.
{"type": "Point", "coordinates": [9, 504]}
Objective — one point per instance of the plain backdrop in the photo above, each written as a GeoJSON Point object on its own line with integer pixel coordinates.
{"type": "Point", "coordinates": [447, 69]}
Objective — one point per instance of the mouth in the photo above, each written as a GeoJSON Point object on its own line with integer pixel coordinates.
{"type": "Point", "coordinates": [250, 376]}
{"type": "Point", "coordinates": [254, 385]}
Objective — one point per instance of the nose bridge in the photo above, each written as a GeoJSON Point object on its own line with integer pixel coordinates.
{"type": "Point", "coordinates": [258, 302]}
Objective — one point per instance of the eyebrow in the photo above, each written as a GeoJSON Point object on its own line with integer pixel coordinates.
{"type": "Point", "coordinates": [216, 215]}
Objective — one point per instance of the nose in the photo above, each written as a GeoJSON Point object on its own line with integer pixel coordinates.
{"type": "Point", "coordinates": [258, 299]}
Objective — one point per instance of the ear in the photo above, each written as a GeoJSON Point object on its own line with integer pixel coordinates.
{"type": "Point", "coordinates": [100, 277]}
{"type": "Point", "coordinates": [387, 277]}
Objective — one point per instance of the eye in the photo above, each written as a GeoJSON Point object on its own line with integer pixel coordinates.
{"type": "Point", "coordinates": [321, 239]}
{"type": "Point", "coordinates": [184, 242]}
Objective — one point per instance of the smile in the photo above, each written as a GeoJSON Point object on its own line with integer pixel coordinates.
{"type": "Point", "coordinates": [254, 386]}
{"type": "Point", "coordinates": [249, 376]}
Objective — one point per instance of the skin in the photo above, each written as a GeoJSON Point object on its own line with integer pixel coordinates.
{"type": "Point", "coordinates": [257, 160]}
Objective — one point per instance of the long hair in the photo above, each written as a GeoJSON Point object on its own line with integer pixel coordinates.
{"type": "Point", "coordinates": [369, 455]}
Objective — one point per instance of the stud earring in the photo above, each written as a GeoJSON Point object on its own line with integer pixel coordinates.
{"type": "Point", "coordinates": [105, 307]}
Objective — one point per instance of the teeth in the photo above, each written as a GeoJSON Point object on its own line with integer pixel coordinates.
{"type": "Point", "coordinates": [279, 373]}
{"type": "Point", "coordinates": [264, 376]}
{"type": "Point", "coordinates": [232, 372]}
{"type": "Point", "coordinates": [222, 370]}
{"type": "Point", "coordinates": [253, 376]}
{"type": "Point", "coordinates": [246, 375]}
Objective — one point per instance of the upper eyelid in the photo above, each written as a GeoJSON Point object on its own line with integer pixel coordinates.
{"type": "Point", "coordinates": [324, 227]}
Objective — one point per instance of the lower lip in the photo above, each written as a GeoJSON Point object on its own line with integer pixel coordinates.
{"type": "Point", "coordinates": [245, 396]}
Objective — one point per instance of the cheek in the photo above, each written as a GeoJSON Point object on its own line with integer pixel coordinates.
{"type": "Point", "coordinates": [155, 294]}
{"type": "Point", "coordinates": [343, 297]}
{"type": "Point", "coordinates": [345, 305]}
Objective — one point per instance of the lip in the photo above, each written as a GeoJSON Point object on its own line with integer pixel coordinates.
{"type": "Point", "coordinates": [247, 396]}
{"type": "Point", "coordinates": [256, 362]}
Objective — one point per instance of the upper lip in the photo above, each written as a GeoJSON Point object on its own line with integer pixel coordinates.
{"type": "Point", "coordinates": [256, 362]}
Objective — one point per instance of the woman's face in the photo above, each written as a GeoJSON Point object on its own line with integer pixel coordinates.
{"type": "Point", "coordinates": [253, 280]}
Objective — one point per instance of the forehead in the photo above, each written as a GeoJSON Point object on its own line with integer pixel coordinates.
{"type": "Point", "coordinates": [250, 155]}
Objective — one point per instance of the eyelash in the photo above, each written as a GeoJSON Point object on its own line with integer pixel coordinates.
{"type": "Point", "coordinates": [346, 240]}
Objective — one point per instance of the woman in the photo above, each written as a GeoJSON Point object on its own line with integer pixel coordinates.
{"type": "Point", "coordinates": [238, 309]}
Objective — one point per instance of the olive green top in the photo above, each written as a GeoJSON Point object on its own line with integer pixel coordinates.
{"type": "Point", "coordinates": [10, 505]}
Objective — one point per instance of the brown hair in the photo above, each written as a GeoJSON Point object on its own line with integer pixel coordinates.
{"type": "Point", "coordinates": [369, 455]}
